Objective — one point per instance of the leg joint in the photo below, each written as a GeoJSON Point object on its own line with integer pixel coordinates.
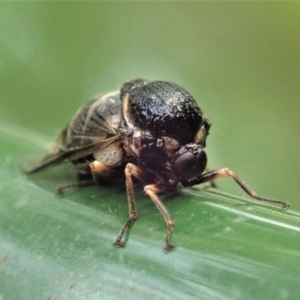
{"type": "Point", "coordinates": [170, 223]}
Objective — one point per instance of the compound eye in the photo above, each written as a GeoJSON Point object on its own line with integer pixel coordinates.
{"type": "Point", "coordinates": [189, 165]}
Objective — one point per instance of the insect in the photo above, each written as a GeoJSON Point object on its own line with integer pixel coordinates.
{"type": "Point", "coordinates": [151, 132]}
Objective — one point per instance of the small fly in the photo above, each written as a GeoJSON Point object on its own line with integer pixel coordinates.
{"type": "Point", "coordinates": [152, 132]}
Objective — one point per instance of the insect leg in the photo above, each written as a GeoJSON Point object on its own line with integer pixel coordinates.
{"type": "Point", "coordinates": [82, 183]}
{"type": "Point", "coordinates": [225, 172]}
{"type": "Point", "coordinates": [97, 169]}
{"type": "Point", "coordinates": [152, 190]}
{"type": "Point", "coordinates": [130, 170]}
{"type": "Point", "coordinates": [212, 182]}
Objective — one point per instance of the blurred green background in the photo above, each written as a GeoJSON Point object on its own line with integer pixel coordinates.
{"type": "Point", "coordinates": [241, 61]}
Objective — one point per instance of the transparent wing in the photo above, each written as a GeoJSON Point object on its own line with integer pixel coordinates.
{"type": "Point", "coordinates": [98, 119]}
{"type": "Point", "coordinates": [94, 126]}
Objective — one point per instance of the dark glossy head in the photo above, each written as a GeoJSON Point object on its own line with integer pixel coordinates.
{"type": "Point", "coordinates": [164, 109]}
{"type": "Point", "coordinates": [189, 162]}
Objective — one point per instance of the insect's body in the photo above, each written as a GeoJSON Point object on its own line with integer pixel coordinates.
{"type": "Point", "coordinates": [153, 132]}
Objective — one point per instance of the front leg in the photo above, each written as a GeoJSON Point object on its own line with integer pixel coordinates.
{"type": "Point", "coordinates": [152, 190]}
{"type": "Point", "coordinates": [216, 174]}
{"type": "Point", "coordinates": [135, 171]}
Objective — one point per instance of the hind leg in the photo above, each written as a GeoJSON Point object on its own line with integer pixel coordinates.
{"type": "Point", "coordinates": [60, 190]}
{"type": "Point", "coordinates": [88, 175]}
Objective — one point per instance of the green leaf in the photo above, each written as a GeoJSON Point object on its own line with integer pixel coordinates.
{"type": "Point", "coordinates": [240, 61]}
{"type": "Point", "coordinates": [61, 248]}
